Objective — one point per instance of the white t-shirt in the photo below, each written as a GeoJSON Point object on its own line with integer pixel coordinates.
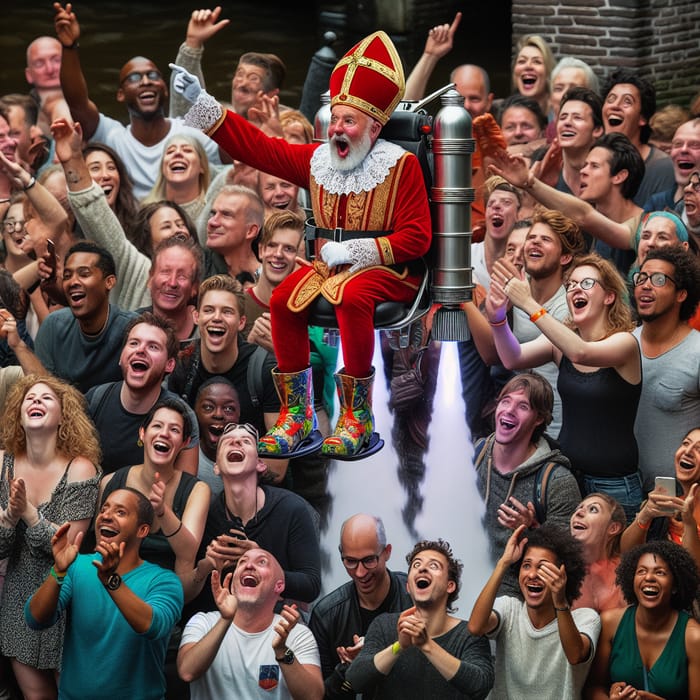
{"type": "Point", "coordinates": [530, 662]}
{"type": "Point", "coordinates": [245, 665]}
{"type": "Point", "coordinates": [143, 162]}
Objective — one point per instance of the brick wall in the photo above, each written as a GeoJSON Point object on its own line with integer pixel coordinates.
{"type": "Point", "coordinates": [661, 38]}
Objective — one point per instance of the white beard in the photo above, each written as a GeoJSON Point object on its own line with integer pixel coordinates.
{"type": "Point", "coordinates": [357, 152]}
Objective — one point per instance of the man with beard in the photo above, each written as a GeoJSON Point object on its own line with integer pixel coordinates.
{"type": "Point", "coordinates": [121, 609]}
{"type": "Point", "coordinates": [369, 203]}
{"type": "Point", "coordinates": [521, 474]}
{"type": "Point", "coordinates": [221, 651]}
{"type": "Point", "coordinates": [424, 651]}
{"type": "Point", "coordinates": [550, 246]}
{"type": "Point", "coordinates": [666, 294]}
{"type": "Point", "coordinates": [119, 408]}
{"type": "Point", "coordinates": [143, 91]}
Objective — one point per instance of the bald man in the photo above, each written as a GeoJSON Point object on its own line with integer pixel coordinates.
{"type": "Point", "coordinates": [220, 651]}
{"type": "Point", "coordinates": [340, 619]}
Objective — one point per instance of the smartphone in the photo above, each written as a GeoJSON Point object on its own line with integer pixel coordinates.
{"type": "Point", "coordinates": [667, 483]}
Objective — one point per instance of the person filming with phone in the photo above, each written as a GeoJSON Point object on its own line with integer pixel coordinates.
{"type": "Point", "coordinates": [672, 510]}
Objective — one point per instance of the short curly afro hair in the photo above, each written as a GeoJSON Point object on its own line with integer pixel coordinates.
{"type": "Point", "coordinates": [686, 577]}
{"type": "Point", "coordinates": [566, 550]}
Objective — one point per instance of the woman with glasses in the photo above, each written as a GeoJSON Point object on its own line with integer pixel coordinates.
{"type": "Point", "coordinates": [600, 372]}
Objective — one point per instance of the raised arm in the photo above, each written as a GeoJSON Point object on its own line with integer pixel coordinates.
{"type": "Point", "coordinates": [483, 619]}
{"type": "Point", "coordinates": [73, 83]}
{"type": "Point", "coordinates": [97, 219]}
{"type": "Point", "coordinates": [598, 681]}
{"type": "Point", "coordinates": [203, 25]}
{"type": "Point", "coordinates": [438, 44]}
{"type": "Point", "coordinates": [514, 355]}
{"type": "Point", "coordinates": [52, 217]}
{"type": "Point", "coordinates": [195, 658]}
{"type": "Point", "coordinates": [619, 350]}
{"type": "Point", "coordinates": [43, 604]}
{"type": "Point", "coordinates": [515, 170]}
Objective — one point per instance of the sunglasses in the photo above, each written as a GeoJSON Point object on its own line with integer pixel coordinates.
{"type": "Point", "coordinates": [152, 75]}
{"type": "Point", "coordinates": [250, 429]}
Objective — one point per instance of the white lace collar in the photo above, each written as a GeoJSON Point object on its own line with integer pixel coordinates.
{"type": "Point", "coordinates": [365, 177]}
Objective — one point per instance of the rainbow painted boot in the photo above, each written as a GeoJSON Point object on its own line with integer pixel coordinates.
{"type": "Point", "coordinates": [296, 431]}
{"type": "Point", "coordinates": [354, 436]}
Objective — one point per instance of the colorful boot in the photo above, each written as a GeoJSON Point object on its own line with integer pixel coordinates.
{"type": "Point", "coordinates": [355, 424]}
{"type": "Point", "coordinates": [297, 419]}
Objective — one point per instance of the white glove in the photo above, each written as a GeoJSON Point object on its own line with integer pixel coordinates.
{"type": "Point", "coordinates": [185, 84]}
{"type": "Point", "coordinates": [333, 254]}
{"type": "Point", "coordinates": [360, 252]}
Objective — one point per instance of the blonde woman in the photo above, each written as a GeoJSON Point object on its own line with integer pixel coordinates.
{"type": "Point", "coordinates": [49, 476]}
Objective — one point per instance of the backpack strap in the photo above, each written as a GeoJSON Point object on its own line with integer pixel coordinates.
{"type": "Point", "coordinates": [99, 398]}
{"type": "Point", "coordinates": [254, 375]}
{"type": "Point", "coordinates": [539, 497]}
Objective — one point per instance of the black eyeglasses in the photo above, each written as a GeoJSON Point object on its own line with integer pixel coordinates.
{"type": "Point", "coordinates": [250, 429]}
{"type": "Point", "coordinates": [369, 562]}
{"type": "Point", "coordinates": [658, 279]}
{"type": "Point", "coordinates": [14, 226]}
{"type": "Point", "coordinates": [694, 181]}
{"type": "Point", "coordinates": [136, 76]}
{"type": "Point", "coordinates": [586, 283]}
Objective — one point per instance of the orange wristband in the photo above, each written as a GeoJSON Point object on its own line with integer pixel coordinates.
{"type": "Point", "coordinates": [538, 314]}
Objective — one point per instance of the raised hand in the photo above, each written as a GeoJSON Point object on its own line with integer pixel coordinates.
{"type": "Point", "coordinates": [111, 556]}
{"type": "Point", "coordinates": [68, 137]}
{"type": "Point", "coordinates": [515, 546]}
{"type": "Point", "coordinates": [290, 617]}
{"type": "Point", "coordinates": [513, 168]}
{"type": "Point", "coordinates": [441, 38]}
{"type": "Point", "coordinates": [513, 514]}
{"type": "Point", "coordinates": [225, 600]}
{"type": "Point", "coordinates": [203, 25]}
{"type": "Point", "coordinates": [19, 177]}
{"type": "Point", "coordinates": [185, 84]}
{"type": "Point", "coordinates": [65, 552]}
{"type": "Point", "coordinates": [66, 24]}
{"type": "Point", "coordinates": [554, 578]}
{"type": "Point", "coordinates": [157, 496]}
{"type": "Point", "coordinates": [404, 637]}
{"type": "Point", "coordinates": [17, 503]}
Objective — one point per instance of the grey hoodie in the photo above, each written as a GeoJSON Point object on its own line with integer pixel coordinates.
{"type": "Point", "coordinates": [562, 494]}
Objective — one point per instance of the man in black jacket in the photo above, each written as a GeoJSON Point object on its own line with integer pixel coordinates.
{"type": "Point", "coordinates": [340, 619]}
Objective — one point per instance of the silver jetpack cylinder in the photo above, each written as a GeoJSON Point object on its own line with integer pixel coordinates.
{"type": "Point", "coordinates": [451, 197]}
{"type": "Point", "coordinates": [323, 118]}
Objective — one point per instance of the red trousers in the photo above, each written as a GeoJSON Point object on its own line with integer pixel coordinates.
{"type": "Point", "coordinates": [355, 315]}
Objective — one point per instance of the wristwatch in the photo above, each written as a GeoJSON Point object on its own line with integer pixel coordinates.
{"type": "Point", "coordinates": [288, 657]}
{"type": "Point", "coordinates": [113, 582]}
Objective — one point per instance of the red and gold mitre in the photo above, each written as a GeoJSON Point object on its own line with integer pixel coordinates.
{"type": "Point", "coordinates": [369, 77]}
